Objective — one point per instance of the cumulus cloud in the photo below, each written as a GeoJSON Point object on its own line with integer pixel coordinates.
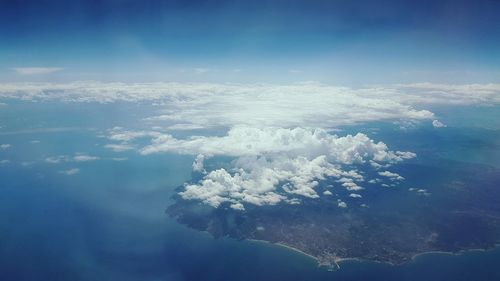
{"type": "Point", "coordinates": [273, 165]}
{"type": "Point", "coordinates": [56, 159]}
{"type": "Point", "coordinates": [36, 70]}
{"type": "Point", "coordinates": [350, 185]}
{"type": "Point", "coordinates": [420, 191]}
{"type": "Point", "coordinates": [64, 158]}
{"type": "Point", "coordinates": [250, 141]}
{"type": "Point", "coordinates": [392, 176]}
{"type": "Point", "coordinates": [84, 158]}
{"type": "Point", "coordinates": [119, 158]}
{"type": "Point", "coordinates": [70, 172]}
{"type": "Point", "coordinates": [5, 146]}
{"type": "Point", "coordinates": [198, 163]}
{"type": "Point", "coordinates": [438, 124]}
{"type": "Point", "coordinates": [341, 204]}
{"type": "Point", "coordinates": [119, 147]}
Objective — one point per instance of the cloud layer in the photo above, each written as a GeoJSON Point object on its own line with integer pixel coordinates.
{"type": "Point", "coordinates": [202, 105]}
{"type": "Point", "coordinates": [278, 135]}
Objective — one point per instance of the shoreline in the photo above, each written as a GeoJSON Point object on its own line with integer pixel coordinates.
{"type": "Point", "coordinates": [338, 261]}
{"type": "Point", "coordinates": [284, 246]}
{"type": "Point", "coordinates": [458, 253]}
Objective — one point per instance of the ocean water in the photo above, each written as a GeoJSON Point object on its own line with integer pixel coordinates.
{"type": "Point", "coordinates": [108, 221]}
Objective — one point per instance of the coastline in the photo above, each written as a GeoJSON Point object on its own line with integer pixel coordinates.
{"type": "Point", "coordinates": [333, 266]}
{"type": "Point", "coordinates": [458, 253]}
{"type": "Point", "coordinates": [284, 246]}
{"type": "Point", "coordinates": [338, 261]}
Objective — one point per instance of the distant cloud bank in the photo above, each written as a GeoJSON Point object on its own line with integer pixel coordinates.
{"type": "Point", "coordinates": [36, 70]}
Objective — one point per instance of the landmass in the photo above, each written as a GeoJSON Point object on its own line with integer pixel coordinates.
{"type": "Point", "coordinates": [461, 213]}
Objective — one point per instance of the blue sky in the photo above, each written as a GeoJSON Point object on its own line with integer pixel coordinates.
{"type": "Point", "coordinates": [341, 42]}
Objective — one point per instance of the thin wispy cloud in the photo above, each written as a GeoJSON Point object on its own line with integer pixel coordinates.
{"type": "Point", "coordinates": [36, 70]}
{"type": "Point", "coordinates": [70, 172]}
{"type": "Point", "coordinates": [200, 70]}
{"type": "Point", "coordinates": [5, 146]}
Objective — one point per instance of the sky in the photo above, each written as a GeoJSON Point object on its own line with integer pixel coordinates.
{"type": "Point", "coordinates": [350, 43]}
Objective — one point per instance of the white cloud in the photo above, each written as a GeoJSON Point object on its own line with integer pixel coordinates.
{"type": "Point", "coordinates": [5, 146]}
{"type": "Point", "coordinates": [27, 163]}
{"type": "Point", "coordinates": [392, 176]}
{"type": "Point", "coordinates": [249, 141]}
{"type": "Point", "coordinates": [355, 195]}
{"type": "Point", "coordinates": [84, 158]}
{"type": "Point", "coordinates": [64, 158]}
{"type": "Point", "coordinates": [118, 134]}
{"type": "Point", "coordinates": [201, 70]}
{"type": "Point", "coordinates": [448, 94]}
{"type": "Point", "coordinates": [36, 70]}
{"type": "Point", "coordinates": [188, 106]}
{"type": "Point", "coordinates": [423, 192]}
{"type": "Point", "coordinates": [124, 137]}
{"type": "Point", "coordinates": [228, 105]}
{"type": "Point", "coordinates": [420, 191]}
{"type": "Point", "coordinates": [119, 147]}
{"type": "Point", "coordinates": [198, 163]}
{"type": "Point", "coordinates": [327, 192]}
{"type": "Point", "coordinates": [219, 186]}
{"type": "Point", "coordinates": [237, 206]}
{"type": "Point", "coordinates": [374, 181]}
{"type": "Point", "coordinates": [342, 204]}
{"type": "Point", "coordinates": [438, 124]}
{"type": "Point", "coordinates": [119, 158]}
{"type": "Point", "coordinates": [350, 185]}
{"type": "Point", "coordinates": [70, 172]}
{"type": "Point", "coordinates": [274, 165]}
{"type": "Point", "coordinates": [56, 159]}
{"type": "Point", "coordinates": [4, 161]}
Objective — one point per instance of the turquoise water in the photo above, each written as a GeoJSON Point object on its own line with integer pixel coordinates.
{"type": "Point", "coordinates": [107, 222]}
